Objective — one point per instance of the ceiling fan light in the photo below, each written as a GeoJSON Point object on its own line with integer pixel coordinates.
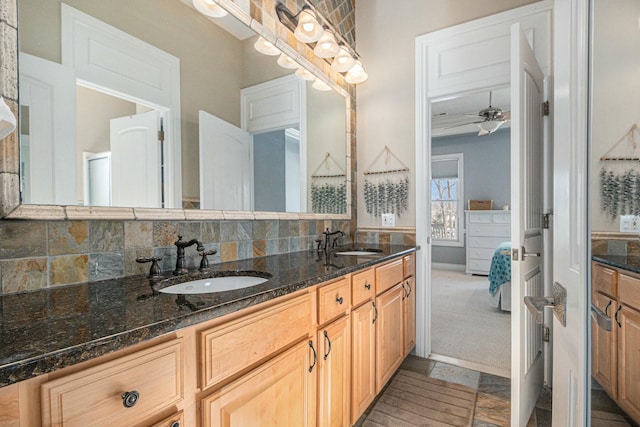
{"type": "Point", "coordinates": [308, 29]}
{"type": "Point", "coordinates": [342, 61]}
{"type": "Point", "coordinates": [305, 74]}
{"type": "Point", "coordinates": [286, 62]}
{"type": "Point", "coordinates": [489, 127]}
{"type": "Point", "coordinates": [209, 8]}
{"type": "Point", "coordinates": [266, 47]}
{"type": "Point", "coordinates": [356, 74]}
{"type": "Point", "coordinates": [326, 47]}
{"type": "Point", "coordinates": [321, 86]}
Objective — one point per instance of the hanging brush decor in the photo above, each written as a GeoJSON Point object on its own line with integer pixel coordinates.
{"type": "Point", "coordinates": [328, 188]}
{"type": "Point", "coordinates": [620, 178]}
{"type": "Point", "coordinates": [386, 190]}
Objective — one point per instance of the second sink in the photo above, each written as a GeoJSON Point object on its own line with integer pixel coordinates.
{"type": "Point", "coordinates": [226, 281]}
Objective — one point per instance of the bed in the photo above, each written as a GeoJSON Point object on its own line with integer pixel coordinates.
{"type": "Point", "coordinates": [500, 277]}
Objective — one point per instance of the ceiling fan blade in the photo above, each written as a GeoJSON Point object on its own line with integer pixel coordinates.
{"type": "Point", "coordinates": [463, 124]}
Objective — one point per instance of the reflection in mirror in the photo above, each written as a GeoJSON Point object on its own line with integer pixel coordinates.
{"type": "Point", "coordinates": [615, 172]}
{"type": "Point", "coordinates": [112, 109]}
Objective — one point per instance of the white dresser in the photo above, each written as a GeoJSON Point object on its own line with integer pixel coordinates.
{"type": "Point", "coordinates": [485, 230]}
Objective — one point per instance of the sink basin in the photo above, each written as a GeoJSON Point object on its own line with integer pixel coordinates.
{"type": "Point", "coordinates": [360, 252]}
{"type": "Point", "coordinates": [226, 282]}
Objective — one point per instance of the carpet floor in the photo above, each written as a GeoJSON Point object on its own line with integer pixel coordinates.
{"type": "Point", "coordinates": [464, 326]}
{"type": "Point", "coordinates": [413, 399]}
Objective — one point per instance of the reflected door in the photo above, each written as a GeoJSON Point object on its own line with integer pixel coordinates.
{"type": "Point", "coordinates": [135, 161]}
{"type": "Point", "coordinates": [225, 165]}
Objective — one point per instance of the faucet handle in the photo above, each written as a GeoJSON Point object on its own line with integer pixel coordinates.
{"type": "Point", "coordinates": [155, 270]}
{"type": "Point", "coordinates": [204, 262]}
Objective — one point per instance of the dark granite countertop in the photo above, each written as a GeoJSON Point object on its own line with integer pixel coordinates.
{"type": "Point", "coordinates": [629, 263]}
{"type": "Point", "coordinates": [46, 330]}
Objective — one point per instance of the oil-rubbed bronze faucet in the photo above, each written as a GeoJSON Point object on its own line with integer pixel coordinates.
{"type": "Point", "coordinates": [181, 265]}
{"type": "Point", "coordinates": [328, 233]}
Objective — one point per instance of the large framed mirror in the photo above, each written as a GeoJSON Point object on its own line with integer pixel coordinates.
{"type": "Point", "coordinates": [163, 107]}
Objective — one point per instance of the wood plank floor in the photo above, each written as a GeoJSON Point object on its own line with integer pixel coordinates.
{"type": "Point", "coordinates": [413, 399]}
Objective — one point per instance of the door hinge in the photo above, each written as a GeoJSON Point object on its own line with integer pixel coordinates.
{"type": "Point", "coordinates": [546, 220]}
{"type": "Point", "coordinates": [545, 108]}
{"type": "Point", "coordinates": [161, 131]}
{"type": "Point", "coordinates": [546, 334]}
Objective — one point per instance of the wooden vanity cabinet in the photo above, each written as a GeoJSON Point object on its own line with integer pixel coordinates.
{"type": "Point", "coordinates": [409, 313]}
{"type": "Point", "coordinates": [363, 358]}
{"type": "Point", "coordinates": [389, 334]}
{"type": "Point", "coordinates": [616, 292]}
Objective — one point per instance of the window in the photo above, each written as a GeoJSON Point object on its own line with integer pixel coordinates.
{"type": "Point", "coordinates": [446, 199]}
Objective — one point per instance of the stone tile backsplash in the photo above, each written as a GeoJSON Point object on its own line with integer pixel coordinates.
{"type": "Point", "coordinates": [38, 254]}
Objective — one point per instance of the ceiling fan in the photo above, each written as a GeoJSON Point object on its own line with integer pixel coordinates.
{"type": "Point", "coordinates": [489, 119]}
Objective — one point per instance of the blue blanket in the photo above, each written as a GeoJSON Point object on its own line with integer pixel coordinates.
{"type": "Point", "coordinates": [500, 271]}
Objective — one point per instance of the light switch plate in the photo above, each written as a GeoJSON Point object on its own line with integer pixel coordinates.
{"type": "Point", "coordinates": [388, 220]}
{"type": "Point", "coordinates": [629, 224]}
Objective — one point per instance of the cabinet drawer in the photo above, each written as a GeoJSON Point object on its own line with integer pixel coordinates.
{"type": "Point", "coordinates": [388, 275]}
{"type": "Point", "coordinates": [502, 218]}
{"type": "Point", "coordinates": [604, 280]}
{"type": "Point", "coordinates": [479, 217]}
{"type": "Point", "coordinates": [479, 266]}
{"type": "Point", "coordinates": [176, 420]}
{"type": "Point", "coordinates": [333, 299]}
{"type": "Point", "coordinates": [363, 286]}
{"type": "Point", "coordinates": [409, 262]}
{"type": "Point", "coordinates": [94, 396]}
{"type": "Point", "coordinates": [480, 253]}
{"type": "Point", "coordinates": [486, 242]}
{"type": "Point", "coordinates": [233, 346]}
{"type": "Point", "coordinates": [489, 230]}
{"type": "Point", "coordinates": [629, 291]}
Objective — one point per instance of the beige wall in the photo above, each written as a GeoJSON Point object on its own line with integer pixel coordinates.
{"type": "Point", "coordinates": [386, 33]}
{"type": "Point", "coordinates": [616, 94]}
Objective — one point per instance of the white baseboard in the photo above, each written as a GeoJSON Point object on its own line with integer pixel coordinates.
{"type": "Point", "coordinates": [450, 267]}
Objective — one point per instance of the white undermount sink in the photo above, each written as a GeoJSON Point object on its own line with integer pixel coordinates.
{"type": "Point", "coordinates": [213, 284]}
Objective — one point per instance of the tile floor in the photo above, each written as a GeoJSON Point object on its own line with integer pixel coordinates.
{"type": "Point", "coordinates": [493, 401]}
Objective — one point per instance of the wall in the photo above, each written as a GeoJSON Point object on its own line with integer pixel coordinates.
{"type": "Point", "coordinates": [486, 177]}
{"type": "Point", "coordinates": [386, 102]}
{"type": "Point", "coordinates": [37, 254]}
{"type": "Point", "coordinates": [269, 171]}
{"type": "Point", "coordinates": [615, 94]}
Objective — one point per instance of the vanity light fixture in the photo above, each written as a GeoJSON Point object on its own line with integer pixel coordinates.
{"type": "Point", "coordinates": [265, 47]}
{"type": "Point", "coordinates": [343, 61]}
{"type": "Point", "coordinates": [305, 74]}
{"type": "Point", "coordinates": [308, 29]}
{"type": "Point", "coordinates": [210, 8]}
{"type": "Point", "coordinates": [321, 86]}
{"type": "Point", "coordinates": [7, 119]}
{"type": "Point", "coordinates": [356, 74]}
{"type": "Point", "coordinates": [286, 62]}
{"type": "Point", "coordinates": [309, 26]}
{"type": "Point", "coordinates": [327, 46]}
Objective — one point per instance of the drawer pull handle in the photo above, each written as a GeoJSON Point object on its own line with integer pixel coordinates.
{"type": "Point", "coordinates": [616, 316]}
{"type": "Point", "coordinates": [375, 312]}
{"type": "Point", "coordinates": [130, 398]}
{"type": "Point", "coordinates": [326, 336]}
{"type": "Point", "coordinates": [409, 286]}
{"type": "Point", "coordinates": [175, 424]}
{"type": "Point", "coordinates": [606, 309]}
{"type": "Point", "coordinates": [315, 356]}
{"type": "Point", "coordinates": [339, 300]}
{"type": "Point", "coordinates": [368, 286]}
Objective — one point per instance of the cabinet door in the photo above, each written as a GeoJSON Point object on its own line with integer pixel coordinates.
{"type": "Point", "coordinates": [604, 347]}
{"type": "Point", "coordinates": [628, 371]}
{"type": "Point", "coordinates": [409, 314]}
{"type": "Point", "coordinates": [280, 392]}
{"type": "Point", "coordinates": [389, 335]}
{"type": "Point", "coordinates": [363, 358]}
{"type": "Point", "coordinates": [334, 374]}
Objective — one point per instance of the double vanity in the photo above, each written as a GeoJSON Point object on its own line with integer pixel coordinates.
{"type": "Point", "coordinates": [312, 344]}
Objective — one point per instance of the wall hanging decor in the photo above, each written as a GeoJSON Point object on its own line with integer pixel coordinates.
{"type": "Point", "coordinates": [386, 190]}
{"type": "Point", "coordinates": [329, 187]}
{"type": "Point", "coordinates": [620, 177]}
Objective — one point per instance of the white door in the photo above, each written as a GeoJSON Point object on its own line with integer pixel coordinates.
{"type": "Point", "coordinates": [136, 161]}
{"type": "Point", "coordinates": [98, 179]}
{"type": "Point", "coordinates": [225, 165]}
{"type": "Point", "coordinates": [48, 93]}
{"type": "Point", "coordinates": [570, 230]}
{"type": "Point", "coordinates": [527, 278]}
